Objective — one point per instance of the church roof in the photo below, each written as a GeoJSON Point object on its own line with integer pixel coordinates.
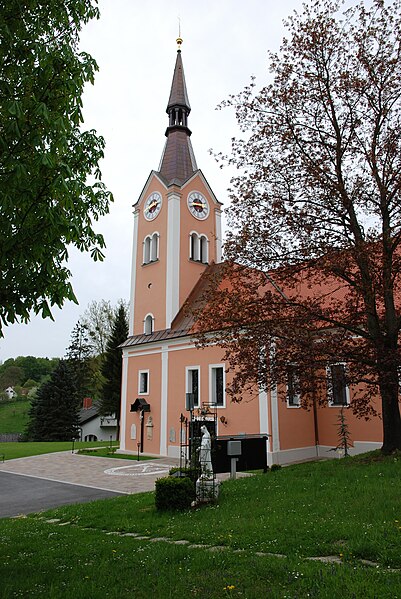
{"type": "Point", "coordinates": [178, 93]}
{"type": "Point", "coordinates": [156, 336]}
{"type": "Point", "coordinates": [178, 162]}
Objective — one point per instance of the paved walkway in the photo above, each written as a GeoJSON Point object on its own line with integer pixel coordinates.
{"type": "Point", "coordinates": [107, 474]}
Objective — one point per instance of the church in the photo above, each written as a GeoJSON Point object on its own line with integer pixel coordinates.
{"type": "Point", "coordinates": [176, 238]}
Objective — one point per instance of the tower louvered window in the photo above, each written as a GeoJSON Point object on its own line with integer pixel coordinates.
{"type": "Point", "coordinates": [151, 248]}
{"type": "Point", "coordinates": [199, 248]}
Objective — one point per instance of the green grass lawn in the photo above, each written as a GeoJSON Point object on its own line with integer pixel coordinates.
{"type": "Point", "coordinates": [22, 450]}
{"type": "Point", "coordinates": [14, 416]}
{"type": "Point", "coordinates": [346, 508]}
{"type": "Point", "coordinates": [104, 452]}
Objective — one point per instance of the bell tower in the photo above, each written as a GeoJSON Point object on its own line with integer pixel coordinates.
{"type": "Point", "coordinates": [177, 223]}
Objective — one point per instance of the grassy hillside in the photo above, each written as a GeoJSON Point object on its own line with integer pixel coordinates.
{"type": "Point", "coordinates": [265, 538]}
{"type": "Point", "coordinates": [14, 416]}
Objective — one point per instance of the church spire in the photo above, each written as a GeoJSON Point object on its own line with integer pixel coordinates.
{"type": "Point", "coordinates": [178, 161]}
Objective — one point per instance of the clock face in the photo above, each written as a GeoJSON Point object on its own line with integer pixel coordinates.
{"type": "Point", "coordinates": [198, 205]}
{"type": "Point", "coordinates": [152, 206]}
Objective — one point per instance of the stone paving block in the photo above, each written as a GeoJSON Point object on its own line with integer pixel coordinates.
{"type": "Point", "coordinates": [181, 542]}
{"type": "Point", "coordinates": [53, 520]}
{"type": "Point", "coordinates": [326, 559]}
{"type": "Point", "coordinates": [368, 562]}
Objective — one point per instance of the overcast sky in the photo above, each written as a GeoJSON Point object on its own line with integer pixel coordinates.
{"type": "Point", "coordinates": [225, 42]}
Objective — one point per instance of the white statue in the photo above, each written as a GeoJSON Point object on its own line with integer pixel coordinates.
{"type": "Point", "coordinates": [205, 457]}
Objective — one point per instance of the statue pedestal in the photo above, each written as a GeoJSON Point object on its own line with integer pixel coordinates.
{"type": "Point", "coordinates": [207, 489]}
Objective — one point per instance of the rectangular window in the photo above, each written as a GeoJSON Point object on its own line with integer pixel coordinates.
{"type": "Point", "coordinates": [143, 382]}
{"type": "Point", "coordinates": [338, 391]}
{"type": "Point", "coordinates": [217, 385]}
{"type": "Point", "coordinates": [192, 383]}
{"type": "Point", "coordinates": [293, 387]}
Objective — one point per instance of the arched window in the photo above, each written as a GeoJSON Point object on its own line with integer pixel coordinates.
{"type": "Point", "coordinates": [154, 247]}
{"type": "Point", "coordinates": [148, 324]}
{"type": "Point", "coordinates": [199, 248]}
{"type": "Point", "coordinates": [151, 248]}
{"type": "Point", "coordinates": [146, 250]}
{"type": "Point", "coordinates": [194, 246]}
{"type": "Point", "coordinates": [203, 255]}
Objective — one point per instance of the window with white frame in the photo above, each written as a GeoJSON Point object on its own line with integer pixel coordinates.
{"type": "Point", "coordinates": [337, 388]}
{"type": "Point", "coordinates": [151, 248]}
{"type": "Point", "coordinates": [293, 387]}
{"type": "Point", "coordinates": [217, 385]}
{"type": "Point", "coordinates": [193, 382]}
{"type": "Point", "coordinates": [148, 324]}
{"type": "Point", "coordinates": [143, 382]}
{"type": "Point", "coordinates": [203, 241]}
{"type": "Point", "coordinates": [198, 248]}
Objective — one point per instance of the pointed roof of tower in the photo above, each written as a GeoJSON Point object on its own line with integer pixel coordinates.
{"type": "Point", "coordinates": [178, 162]}
{"type": "Point", "coordinates": [178, 93]}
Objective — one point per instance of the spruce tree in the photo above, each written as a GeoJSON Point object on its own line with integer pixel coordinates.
{"type": "Point", "coordinates": [112, 365]}
{"type": "Point", "coordinates": [54, 411]}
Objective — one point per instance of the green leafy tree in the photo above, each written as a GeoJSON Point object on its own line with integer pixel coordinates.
{"type": "Point", "coordinates": [50, 183]}
{"type": "Point", "coordinates": [98, 320]}
{"type": "Point", "coordinates": [11, 376]}
{"type": "Point", "coordinates": [112, 364]}
{"type": "Point", "coordinates": [78, 355]}
{"type": "Point", "coordinates": [36, 368]}
{"type": "Point", "coordinates": [55, 408]}
{"type": "Point", "coordinates": [19, 370]}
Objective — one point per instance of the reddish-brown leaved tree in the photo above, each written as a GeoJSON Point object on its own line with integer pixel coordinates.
{"type": "Point", "coordinates": [315, 211]}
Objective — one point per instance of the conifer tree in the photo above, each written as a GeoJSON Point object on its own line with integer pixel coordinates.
{"type": "Point", "coordinates": [54, 410]}
{"type": "Point", "coordinates": [112, 365]}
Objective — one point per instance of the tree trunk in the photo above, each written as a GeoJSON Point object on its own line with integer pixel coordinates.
{"type": "Point", "coordinates": [388, 384]}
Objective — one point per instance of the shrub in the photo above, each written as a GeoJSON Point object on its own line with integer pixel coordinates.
{"type": "Point", "coordinates": [191, 473]}
{"type": "Point", "coordinates": [174, 493]}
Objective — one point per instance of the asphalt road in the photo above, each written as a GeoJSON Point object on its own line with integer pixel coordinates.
{"type": "Point", "coordinates": [24, 494]}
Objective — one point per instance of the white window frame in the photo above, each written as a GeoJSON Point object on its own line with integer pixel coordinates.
{"type": "Point", "coordinates": [297, 396]}
{"type": "Point", "coordinates": [148, 318]}
{"type": "Point", "coordinates": [140, 373]}
{"type": "Point", "coordinates": [146, 249]}
{"type": "Point", "coordinates": [212, 367]}
{"type": "Point", "coordinates": [329, 384]}
{"type": "Point", "coordinates": [198, 247]}
{"type": "Point", "coordinates": [154, 247]}
{"type": "Point", "coordinates": [188, 386]}
{"type": "Point", "coordinates": [204, 249]}
{"type": "Point", "coordinates": [151, 248]}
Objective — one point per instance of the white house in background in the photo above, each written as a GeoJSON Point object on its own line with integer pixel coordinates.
{"type": "Point", "coordinates": [94, 427]}
{"type": "Point", "coordinates": [10, 392]}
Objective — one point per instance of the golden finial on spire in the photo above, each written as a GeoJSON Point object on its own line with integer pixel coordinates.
{"type": "Point", "coordinates": [179, 38]}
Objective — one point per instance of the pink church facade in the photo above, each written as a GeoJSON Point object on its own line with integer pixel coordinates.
{"type": "Point", "coordinates": [176, 237]}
